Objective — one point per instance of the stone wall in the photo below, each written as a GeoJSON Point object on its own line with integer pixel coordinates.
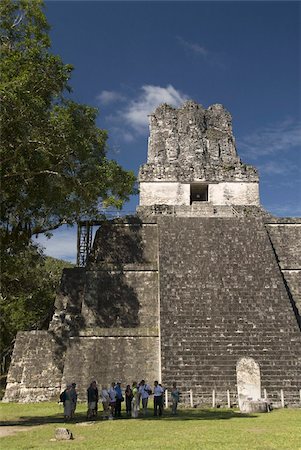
{"type": "Point", "coordinates": [67, 315]}
{"type": "Point", "coordinates": [285, 235]}
{"type": "Point", "coordinates": [116, 298]}
{"type": "Point", "coordinates": [164, 193]}
{"type": "Point", "coordinates": [111, 357]}
{"type": "Point", "coordinates": [36, 369]}
{"type": "Point", "coordinates": [178, 292]}
{"type": "Point", "coordinates": [189, 145]}
{"type": "Point", "coordinates": [234, 194]}
{"type": "Point", "coordinates": [193, 144]}
{"type": "Point", "coordinates": [222, 297]}
{"type": "Point", "coordinates": [219, 295]}
{"type": "Point", "coordinates": [168, 193]}
{"type": "Point", "coordinates": [106, 321]}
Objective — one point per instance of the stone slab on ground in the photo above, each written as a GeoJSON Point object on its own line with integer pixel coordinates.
{"type": "Point", "coordinates": [63, 434]}
{"type": "Point", "coordinates": [254, 406]}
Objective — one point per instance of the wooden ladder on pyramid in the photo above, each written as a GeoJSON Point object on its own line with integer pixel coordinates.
{"type": "Point", "coordinates": [84, 242]}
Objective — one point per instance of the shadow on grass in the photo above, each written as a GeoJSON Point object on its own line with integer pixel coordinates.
{"type": "Point", "coordinates": [188, 414]}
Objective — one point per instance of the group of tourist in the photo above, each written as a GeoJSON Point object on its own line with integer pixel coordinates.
{"type": "Point", "coordinates": [112, 398]}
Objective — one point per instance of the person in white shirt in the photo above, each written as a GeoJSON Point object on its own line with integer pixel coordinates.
{"type": "Point", "coordinates": [158, 398]}
{"type": "Point", "coordinates": [144, 391]}
{"type": "Point", "coordinates": [112, 395]}
{"type": "Point", "coordinates": [105, 399]}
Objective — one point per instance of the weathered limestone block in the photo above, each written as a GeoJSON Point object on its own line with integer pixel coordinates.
{"type": "Point", "coordinates": [293, 280]}
{"type": "Point", "coordinates": [234, 194]}
{"type": "Point", "coordinates": [254, 406]}
{"type": "Point", "coordinates": [248, 384]}
{"type": "Point", "coordinates": [286, 239]}
{"type": "Point", "coordinates": [63, 434]}
{"type": "Point", "coordinates": [222, 298]}
{"type": "Point", "coordinates": [36, 369]}
{"type": "Point", "coordinates": [164, 193]}
{"type": "Point", "coordinates": [192, 143]}
{"type": "Point", "coordinates": [285, 235]}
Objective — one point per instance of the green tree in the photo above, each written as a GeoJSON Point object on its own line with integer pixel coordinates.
{"type": "Point", "coordinates": [54, 168]}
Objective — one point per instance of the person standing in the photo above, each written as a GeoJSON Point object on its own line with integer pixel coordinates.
{"type": "Point", "coordinates": [128, 393]}
{"type": "Point", "coordinates": [105, 399]}
{"type": "Point", "coordinates": [175, 395]}
{"type": "Point", "coordinates": [92, 396]}
{"type": "Point", "coordinates": [112, 394]}
{"type": "Point", "coordinates": [119, 399]}
{"type": "Point", "coordinates": [135, 400]}
{"type": "Point", "coordinates": [67, 402]}
{"type": "Point", "coordinates": [73, 398]}
{"type": "Point", "coordinates": [144, 391]}
{"type": "Point", "coordinates": [158, 398]}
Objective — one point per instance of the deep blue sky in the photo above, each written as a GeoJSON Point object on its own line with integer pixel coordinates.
{"type": "Point", "coordinates": [130, 56]}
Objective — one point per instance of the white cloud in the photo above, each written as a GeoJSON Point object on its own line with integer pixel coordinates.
{"type": "Point", "coordinates": [194, 47]}
{"type": "Point", "coordinates": [136, 112]}
{"type": "Point", "coordinates": [275, 138]}
{"type": "Point", "coordinates": [61, 245]}
{"type": "Point", "coordinates": [108, 97]}
{"type": "Point", "coordinates": [278, 167]}
{"type": "Point", "coordinates": [132, 117]}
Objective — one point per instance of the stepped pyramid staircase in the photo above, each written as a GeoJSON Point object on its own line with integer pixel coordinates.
{"type": "Point", "coordinates": [222, 297]}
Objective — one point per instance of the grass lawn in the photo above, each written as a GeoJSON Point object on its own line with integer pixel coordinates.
{"type": "Point", "coordinates": [191, 429]}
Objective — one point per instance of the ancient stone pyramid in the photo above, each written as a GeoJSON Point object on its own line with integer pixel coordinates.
{"type": "Point", "coordinates": [200, 277]}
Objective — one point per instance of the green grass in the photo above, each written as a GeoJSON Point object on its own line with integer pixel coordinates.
{"type": "Point", "coordinates": [191, 429]}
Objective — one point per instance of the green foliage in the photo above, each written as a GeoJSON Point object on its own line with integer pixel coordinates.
{"type": "Point", "coordinates": [54, 168]}
{"type": "Point", "coordinates": [53, 156]}
{"type": "Point", "coordinates": [29, 284]}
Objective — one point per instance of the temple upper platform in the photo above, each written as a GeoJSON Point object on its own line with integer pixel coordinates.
{"type": "Point", "coordinates": [192, 158]}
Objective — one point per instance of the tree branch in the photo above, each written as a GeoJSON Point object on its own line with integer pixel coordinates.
{"type": "Point", "coordinates": [40, 172]}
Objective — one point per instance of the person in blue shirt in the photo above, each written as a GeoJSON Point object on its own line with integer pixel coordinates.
{"type": "Point", "coordinates": [119, 399]}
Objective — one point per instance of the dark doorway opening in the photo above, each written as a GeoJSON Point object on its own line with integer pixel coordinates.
{"type": "Point", "coordinates": [198, 193]}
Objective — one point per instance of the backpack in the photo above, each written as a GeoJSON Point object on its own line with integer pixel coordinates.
{"type": "Point", "coordinates": [62, 397]}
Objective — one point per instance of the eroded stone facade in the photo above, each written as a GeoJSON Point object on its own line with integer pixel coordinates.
{"type": "Point", "coordinates": [195, 145]}
{"type": "Point", "coordinates": [199, 278]}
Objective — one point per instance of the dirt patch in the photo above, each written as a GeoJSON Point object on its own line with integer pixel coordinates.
{"type": "Point", "coordinates": [10, 430]}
